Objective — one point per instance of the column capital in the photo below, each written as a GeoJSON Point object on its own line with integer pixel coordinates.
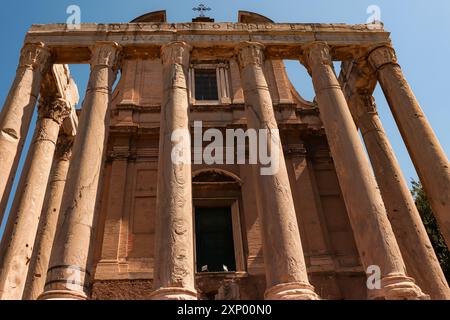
{"type": "Point", "coordinates": [382, 56]}
{"type": "Point", "coordinates": [54, 108]}
{"type": "Point", "coordinates": [316, 53]}
{"type": "Point", "coordinates": [64, 147]}
{"type": "Point", "coordinates": [105, 53]}
{"type": "Point", "coordinates": [177, 52]}
{"type": "Point", "coordinates": [35, 56]}
{"type": "Point", "coordinates": [368, 102]}
{"type": "Point", "coordinates": [363, 108]}
{"type": "Point", "coordinates": [250, 53]}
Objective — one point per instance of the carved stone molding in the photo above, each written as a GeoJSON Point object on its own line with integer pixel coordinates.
{"type": "Point", "coordinates": [106, 54]}
{"type": "Point", "coordinates": [64, 147]}
{"type": "Point", "coordinates": [292, 291]}
{"type": "Point", "coordinates": [357, 76]}
{"type": "Point", "coordinates": [177, 52]}
{"type": "Point", "coordinates": [364, 109]}
{"type": "Point", "coordinates": [316, 53]}
{"type": "Point", "coordinates": [54, 108]}
{"type": "Point", "coordinates": [295, 150]}
{"type": "Point", "coordinates": [177, 294]}
{"type": "Point", "coordinates": [120, 153]}
{"type": "Point", "coordinates": [250, 53]}
{"type": "Point", "coordinates": [398, 287]}
{"type": "Point", "coordinates": [370, 104]}
{"type": "Point", "coordinates": [35, 56]}
{"type": "Point", "coordinates": [382, 56]}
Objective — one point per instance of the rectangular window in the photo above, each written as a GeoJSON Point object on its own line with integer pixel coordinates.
{"type": "Point", "coordinates": [214, 240]}
{"type": "Point", "coordinates": [206, 85]}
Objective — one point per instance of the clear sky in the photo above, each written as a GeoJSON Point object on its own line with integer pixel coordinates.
{"type": "Point", "coordinates": [420, 32]}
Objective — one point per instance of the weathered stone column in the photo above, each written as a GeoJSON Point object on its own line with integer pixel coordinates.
{"type": "Point", "coordinates": [17, 112]}
{"type": "Point", "coordinates": [374, 237]}
{"type": "Point", "coordinates": [285, 266]}
{"type": "Point", "coordinates": [68, 276]}
{"type": "Point", "coordinates": [174, 271]}
{"type": "Point", "coordinates": [428, 157]}
{"type": "Point", "coordinates": [17, 247]}
{"type": "Point", "coordinates": [417, 251]}
{"type": "Point", "coordinates": [50, 221]}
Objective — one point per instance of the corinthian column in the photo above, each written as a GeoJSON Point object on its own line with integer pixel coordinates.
{"type": "Point", "coordinates": [23, 222]}
{"type": "Point", "coordinates": [17, 111]}
{"type": "Point", "coordinates": [286, 273]}
{"type": "Point", "coordinates": [49, 222]}
{"type": "Point", "coordinates": [374, 237]}
{"type": "Point", "coordinates": [68, 275]}
{"type": "Point", "coordinates": [174, 247]}
{"type": "Point", "coordinates": [428, 157]}
{"type": "Point", "coordinates": [417, 251]}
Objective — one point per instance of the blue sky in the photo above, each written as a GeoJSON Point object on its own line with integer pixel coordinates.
{"type": "Point", "coordinates": [420, 32]}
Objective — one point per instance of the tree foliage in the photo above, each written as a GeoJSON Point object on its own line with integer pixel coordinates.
{"type": "Point", "coordinates": [432, 227]}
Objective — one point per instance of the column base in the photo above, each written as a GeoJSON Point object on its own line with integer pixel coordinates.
{"type": "Point", "coordinates": [398, 287]}
{"type": "Point", "coordinates": [291, 291]}
{"type": "Point", "coordinates": [63, 295]}
{"type": "Point", "coordinates": [174, 294]}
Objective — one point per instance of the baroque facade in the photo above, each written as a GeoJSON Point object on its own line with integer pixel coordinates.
{"type": "Point", "coordinates": [120, 220]}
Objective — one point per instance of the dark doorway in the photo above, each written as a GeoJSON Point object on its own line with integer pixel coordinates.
{"type": "Point", "coordinates": [214, 240]}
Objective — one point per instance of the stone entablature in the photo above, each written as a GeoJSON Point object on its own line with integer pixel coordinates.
{"type": "Point", "coordinates": [283, 41]}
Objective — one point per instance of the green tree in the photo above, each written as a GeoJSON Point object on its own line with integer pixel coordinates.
{"type": "Point", "coordinates": [432, 227]}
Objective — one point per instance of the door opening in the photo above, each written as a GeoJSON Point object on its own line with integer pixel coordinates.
{"type": "Point", "coordinates": [214, 240]}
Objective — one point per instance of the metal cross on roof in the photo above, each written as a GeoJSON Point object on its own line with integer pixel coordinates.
{"type": "Point", "coordinates": [202, 9]}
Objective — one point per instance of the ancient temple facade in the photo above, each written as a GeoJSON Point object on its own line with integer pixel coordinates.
{"type": "Point", "coordinates": [103, 211]}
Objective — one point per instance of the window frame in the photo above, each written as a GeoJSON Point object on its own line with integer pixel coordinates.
{"type": "Point", "coordinates": [223, 84]}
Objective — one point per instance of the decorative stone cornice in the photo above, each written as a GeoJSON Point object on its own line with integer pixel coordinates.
{"type": "Point", "coordinates": [106, 54]}
{"type": "Point", "coordinates": [120, 153]}
{"type": "Point", "coordinates": [35, 56]}
{"type": "Point", "coordinates": [382, 56]}
{"type": "Point", "coordinates": [295, 150]}
{"type": "Point", "coordinates": [315, 54]}
{"type": "Point", "coordinates": [54, 108]}
{"type": "Point", "coordinates": [250, 53]}
{"type": "Point", "coordinates": [177, 52]}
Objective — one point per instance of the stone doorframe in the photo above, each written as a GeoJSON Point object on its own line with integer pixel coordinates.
{"type": "Point", "coordinates": [223, 192]}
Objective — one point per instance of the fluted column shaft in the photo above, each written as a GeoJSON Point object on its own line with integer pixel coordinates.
{"type": "Point", "coordinates": [17, 112]}
{"type": "Point", "coordinates": [374, 237]}
{"type": "Point", "coordinates": [174, 270]}
{"type": "Point", "coordinates": [68, 276]}
{"type": "Point", "coordinates": [417, 251]}
{"type": "Point", "coordinates": [18, 242]}
{"type": "Point", "coordinates": [286, 274]}
{"type": "Point", "coordinates": [429, 158]}
{"type": "Point", "coordinates": [50, 221]}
